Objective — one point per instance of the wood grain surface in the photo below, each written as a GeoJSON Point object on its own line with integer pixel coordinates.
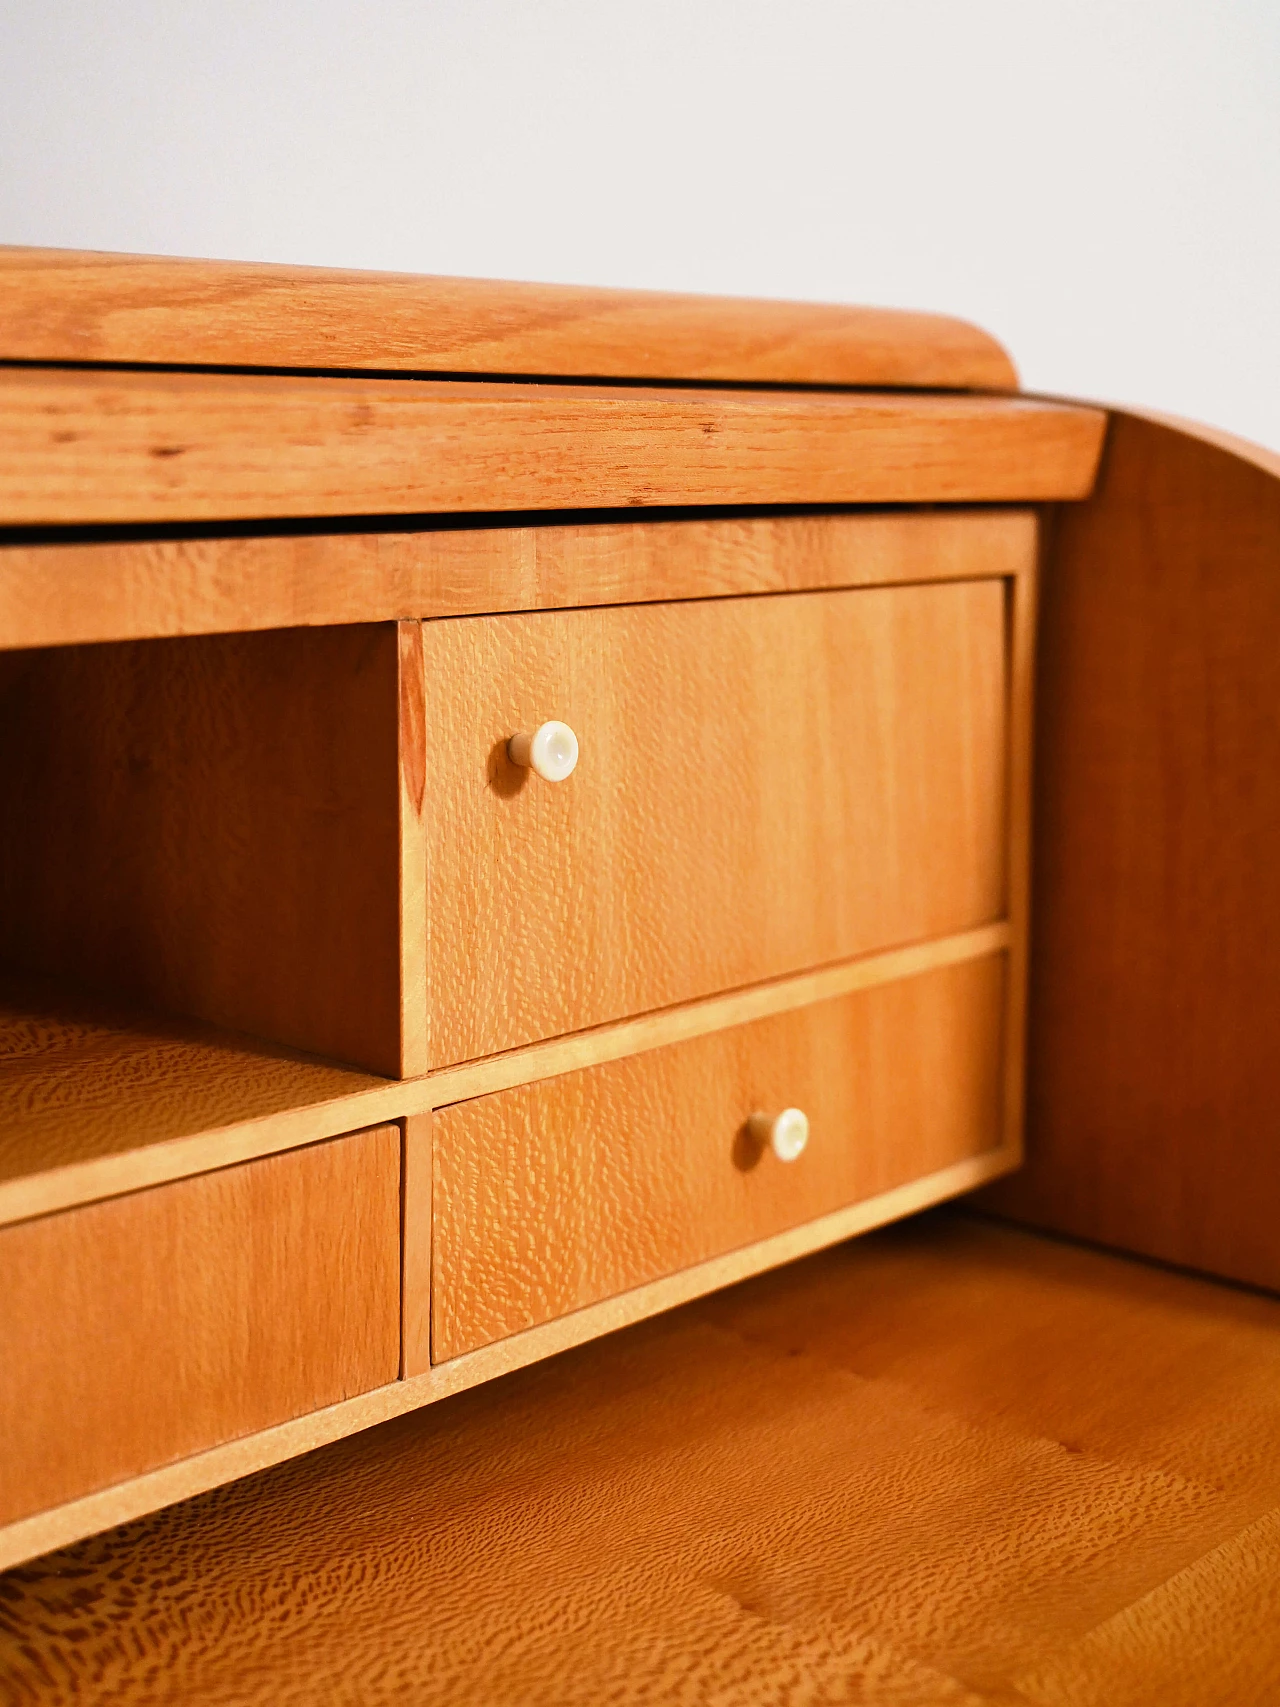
{"type": "Point", "coordinates": [211, 827]}
{"type": "Point", "coordinates": [1154, 1100]}
{"type": "Point", "coordinates": [137, 1331]}
{"type": "Point", "coordinates": [551, 1197]}
{"type": "Point", "coordinates": [413, 1019]}
{"type": "Point", "coordinates": [96, 446]}
{"type": "Point", "coordinates": [713, 1013]}
{"type": "Point", "coordinates": [68, 305]}
{"type": "Point", "coordinates": [765, 785]}
{"type": "Point", "coordinates": [949, 1463]}
{"type": "Point", "coordinates": [56, 1527]}
{"type": "Point", "coordinates": [415, 1239]}
{"type": "Point", "coordinates": [59, 594]}
{"type": "Point", "coordinates": [1021, 612]}
{"type": "Point", "coordinates": [96, 1100]}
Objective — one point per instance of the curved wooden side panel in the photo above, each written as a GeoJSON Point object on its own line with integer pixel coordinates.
{"type": "Point", "coordinates": [1154, 1042]}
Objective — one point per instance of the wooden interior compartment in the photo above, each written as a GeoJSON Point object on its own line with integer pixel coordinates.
{"type": "Point", "coordinates": [212, 827]}
{"type": "Point", "coordinates": [137, 1331]}
{"type": "Point", "coordinates": [765, 785]}
{"type": "Point", "coordinates": [552, 1196]}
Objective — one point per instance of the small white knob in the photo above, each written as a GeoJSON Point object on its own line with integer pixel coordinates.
{"type": "Point", "coordinates": [551, 751]}
{"type": "Point", "coordinates": [786, 1133]}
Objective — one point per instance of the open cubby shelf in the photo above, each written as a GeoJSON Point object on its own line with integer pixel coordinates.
{"type": "Point", "coordinates": [96, 1099]}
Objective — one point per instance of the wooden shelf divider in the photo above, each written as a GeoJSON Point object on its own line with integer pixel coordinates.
{"type": "Point", "coordinates": [96, 1102]}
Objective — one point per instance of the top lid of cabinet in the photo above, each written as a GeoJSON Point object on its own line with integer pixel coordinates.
{"type": "Point", "coordinates": [65, 305]}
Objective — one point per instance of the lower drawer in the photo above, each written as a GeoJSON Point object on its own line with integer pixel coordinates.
{"type": "Point", "coordinates": [137, 1331]}
{"type": "Point", "coordinates": [556, 1195]}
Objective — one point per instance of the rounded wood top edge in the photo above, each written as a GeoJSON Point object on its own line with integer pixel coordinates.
{"type": "Point", "coordinates": [82, 306]}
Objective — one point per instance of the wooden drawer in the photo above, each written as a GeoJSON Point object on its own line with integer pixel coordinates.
{"type": "Point", "coordinates": [765, 784]}
{"type": "Point", "coordinates": [555, 1195]}
{"type": "Point", "coordinates": [139, 1330]}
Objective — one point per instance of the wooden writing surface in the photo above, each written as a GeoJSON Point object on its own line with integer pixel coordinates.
{"type": "Point", "coordinates": [140, 1330]}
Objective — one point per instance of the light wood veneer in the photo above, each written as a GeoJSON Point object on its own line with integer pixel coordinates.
{"type": "Point", "coordinates": [149, 1327]}
{"type": "Point", "coordinates": [96, 1101]}
{"type": "Point", "coordinates": [765, 785]}
{"type": "Point", "coordinates": [247, 753]}
{"type": "Point", "coordinates": [947, 1464]}
{"type": "Point", "coordinates": [554, 1196]}
{"type": "Point", "coordinates": [68, 305]}
{"type": "Point", "coordinates": [1154, 1119]}
{"type": "Point", "coordinates": [269, 812]}
{"type": "Point", "coordinates": [258, 829]}
{"type": "Point", "coordinates": [116, 447]}
{"type": "Point", "coordinates": [59, 593]}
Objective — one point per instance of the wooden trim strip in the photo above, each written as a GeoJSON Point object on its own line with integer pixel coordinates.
{"type": "Point", "coordinates": [1023, 591]}
{"type": "Point", "coordinates": [538, 1061]}
{"type": "Point", "coordinates": [414, 932]}
{"type": "Point", "coordinates": [64, 305]}
{"type": "Point", "coordinates": [1153, 1101]}
{"type": "Point", "coordinates": [70, 1522]}
{"type": "Point", "coordinates": [66, 1187]}
{"type": "Point", "coordinates": [92, 446]}
{"type": "Point", "coordinates": [74, 1183]}
{"type": "Point", "coordinates": [59, 595]}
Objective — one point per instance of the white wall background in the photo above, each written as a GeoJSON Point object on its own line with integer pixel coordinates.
{"type": "Point", "coordinates": [1097, 181]}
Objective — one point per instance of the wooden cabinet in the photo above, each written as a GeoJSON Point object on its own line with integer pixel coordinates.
{"type": "Point", "coordinates": [145, 1328]}
{"type": "Point", "coordinates": [345, 1063]}
{"type": "Point", "coordinates": [764, 785]}
{"type": "Point", "coordinates": [553, 1196]}
{"type": "Point", "coordinates": [271, 876]}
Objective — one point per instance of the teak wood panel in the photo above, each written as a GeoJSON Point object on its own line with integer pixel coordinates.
{"type": "Point", "coordinates": [1153, 1096]}
{"type": "Point", "coordinates": [212, 827]}
{"type": "Point", "coordinates": [551, 1197]}
{"type": "Point", "coordinates": [140, 1330]}
{"type": "Point", "coordinates": [94, 446]}
{"type": "Point", "coordinates": [68, 305]}
{"type": "Point", "coordinates": [764, 785]}
{"type": "Point", "coordinates": [949, 1464]}
{"type": "Point", "coordinates": [133, 589]}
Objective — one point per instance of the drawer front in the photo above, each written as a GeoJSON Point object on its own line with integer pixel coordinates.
{"type": "Point", "coordinates": [555, 1195]}
{"type": "Point", "coordinates": [764, 784]}
{"type": "Point", "coordinates": [137, 1331]}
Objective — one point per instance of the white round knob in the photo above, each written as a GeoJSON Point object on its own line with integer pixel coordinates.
{"type": "Point", "coordinates": [786, 1133]}
{"type": "Point", "coordinates": [551, 751]}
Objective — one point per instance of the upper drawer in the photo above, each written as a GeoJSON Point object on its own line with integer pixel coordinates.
{"type": "Point", "coordinates": [764, 784]}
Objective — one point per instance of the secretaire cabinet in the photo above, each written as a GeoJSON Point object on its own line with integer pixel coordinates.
{"type": "Point", "coordinates": [486, 856]}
